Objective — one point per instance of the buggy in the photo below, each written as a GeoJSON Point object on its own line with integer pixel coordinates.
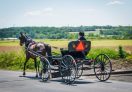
{"type": "Point", "coordinates": [72, 62]}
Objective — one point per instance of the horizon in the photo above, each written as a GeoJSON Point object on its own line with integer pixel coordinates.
{"type": "Point", "coordinates": [65, 13]}
{"type": "Point", "coordinates": [67, 26]}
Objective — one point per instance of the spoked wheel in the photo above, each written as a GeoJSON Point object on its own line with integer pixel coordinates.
{"type": "Point", "coordinates": [102, 67]}
{"type": "Point", "coordinates": [79, 69]}
{"type": "Point", "coordinates": [68, 69]}
{"type": "Point", "coordinates": [45, 70]}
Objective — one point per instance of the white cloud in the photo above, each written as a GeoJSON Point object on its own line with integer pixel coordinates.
{"type": "Point", "coordinates": [115, 2]}
{"type": "Point", "coordinates": [86, 10]}
{"type": "Point", "coordinates": [91, 10]}
{"type": "Point", "coordinates": [46, 11]}
{"type": "Point", "coordinates": [33, 13]}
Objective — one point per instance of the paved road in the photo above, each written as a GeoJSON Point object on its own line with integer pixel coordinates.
{"type": "Point", "coordinates": [11, 81]}
{"type": "Point", "coordinates": [122, 77]}
{"type": "Point", "coordinates": [125, 76]}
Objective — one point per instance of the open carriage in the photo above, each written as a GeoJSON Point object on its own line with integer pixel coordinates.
{"type": "Point", "coordinates": [71, 63]}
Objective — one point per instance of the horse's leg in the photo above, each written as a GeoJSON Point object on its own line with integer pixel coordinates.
{"type": "Point", "coordinates": [48, 50]}
{"type": "Point", "coordinates": [25, 66]}
{"type": "Point", "coordinates": [35, 64]}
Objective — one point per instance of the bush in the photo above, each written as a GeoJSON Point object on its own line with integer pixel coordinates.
{"type": "Point", "coordinates": [14, 61]}
{"type": "Point", "coordinates": [110, 52]}
{"type": "Point", "coordinates": [129, 58]}
{"type": "Point", "coordinates": [121, 52]}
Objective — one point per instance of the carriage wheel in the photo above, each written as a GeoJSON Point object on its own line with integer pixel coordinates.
{"type": "Point", "coordinates": [102, 67]}
{"type": "Point", "coordinates": [45, 70]}
{"type": "Point", "coordinates": [68, 69]}
{"type": "Point", "coordinates": [79, 69]}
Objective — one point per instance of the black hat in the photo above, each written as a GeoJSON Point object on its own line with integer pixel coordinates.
{"type": "Point", "coordinates": [81, 33]}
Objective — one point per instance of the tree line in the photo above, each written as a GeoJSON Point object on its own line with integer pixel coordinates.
{"type": "Point", "coordinates": [122, 32]}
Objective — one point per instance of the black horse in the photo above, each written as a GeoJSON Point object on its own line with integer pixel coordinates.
{"type": "Point", "coordinates": [30, 45]}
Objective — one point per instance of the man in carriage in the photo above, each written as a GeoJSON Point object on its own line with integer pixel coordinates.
{"type": "Point", "coordinates": [81, 36]}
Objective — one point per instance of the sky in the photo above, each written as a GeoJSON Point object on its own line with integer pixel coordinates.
{"type": "Point", "coordinates": [20, 13]}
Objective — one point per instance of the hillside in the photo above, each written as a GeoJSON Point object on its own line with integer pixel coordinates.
{"type": "Point", "coordinates": [119, 32]}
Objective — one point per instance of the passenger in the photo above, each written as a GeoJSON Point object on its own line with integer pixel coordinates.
{"type": "Point", "coordinates": [81, 36]}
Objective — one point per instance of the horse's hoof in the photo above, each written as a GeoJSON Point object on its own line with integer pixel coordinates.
{"type": "Point", "coordinates": [24, 73]}
{"type": "Point", "coordinates": [36, 76]}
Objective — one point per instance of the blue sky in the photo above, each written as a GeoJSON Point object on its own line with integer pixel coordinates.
{"type": "Point", "coordinates": [16, 13]}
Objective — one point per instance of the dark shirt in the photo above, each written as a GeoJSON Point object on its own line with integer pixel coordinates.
{"type": "Point", "coordinates": [82, 38]}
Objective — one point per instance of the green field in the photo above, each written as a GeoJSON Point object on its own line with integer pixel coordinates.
{"type": "Point", "coordinates": [9, 43]}
{"type": "Point", "coordinates": [64, 43]}
{"type": "Point", "coordinates": [12, 56]}
{"type": "Point", "coordinates": [112, 44]}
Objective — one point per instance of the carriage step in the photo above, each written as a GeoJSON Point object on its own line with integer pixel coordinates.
{"type": "Point", "coordinates": [86, 68]}
{"type": "Point", "coordinates": [55, 67]}
{"type": "Point", "coordinates": [87, 62]}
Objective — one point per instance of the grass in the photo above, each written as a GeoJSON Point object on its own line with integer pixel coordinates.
{"type": "Point", "coordinates": [110, 52]}
{"type": "Point", "coordinates": [57, 43]}
{"type": "Point", "coordinates": [111, 43]}
{"type": "Point", "coordinates": [64, 42]}
{"type": "Point", "coordinates": [95, 43]}
{"type": "Point", "coordinates": [14, 60]}
{"type": "Point", "coordinates": [9, 43]}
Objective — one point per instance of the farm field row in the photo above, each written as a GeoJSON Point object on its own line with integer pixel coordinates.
{"type": "Point", "coordinates": [64, 43]}
{"type": "Point", "coordinates": [14, 45]}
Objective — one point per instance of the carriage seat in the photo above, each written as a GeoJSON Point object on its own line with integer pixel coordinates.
{"type": "Point", "coordinates": [78, 49]}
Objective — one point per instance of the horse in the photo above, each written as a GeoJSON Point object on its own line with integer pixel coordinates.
{"type": "Point", "coordinates": [30, 45]}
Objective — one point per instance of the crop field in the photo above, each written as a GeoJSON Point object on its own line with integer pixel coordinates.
{"type": "Point", "coordinates": [6, 46]}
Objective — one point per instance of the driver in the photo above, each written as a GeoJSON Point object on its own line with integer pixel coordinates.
{"type": "Point", "coordinates": [81, 36]}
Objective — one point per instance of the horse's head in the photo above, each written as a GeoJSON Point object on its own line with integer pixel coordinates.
{"type": "Point", "coordinates": [22, 38]}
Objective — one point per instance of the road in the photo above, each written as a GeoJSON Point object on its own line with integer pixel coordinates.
{"type": "Point", "coordinates": [12, 81]}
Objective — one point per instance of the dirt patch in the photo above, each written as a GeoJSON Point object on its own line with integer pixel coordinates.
{"type": "Point", "coordinates": [122, 64]}
{"type": "Point", "coordinates": [9, 48]}
{"type": "Point", "coordinates": [128, 49]}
